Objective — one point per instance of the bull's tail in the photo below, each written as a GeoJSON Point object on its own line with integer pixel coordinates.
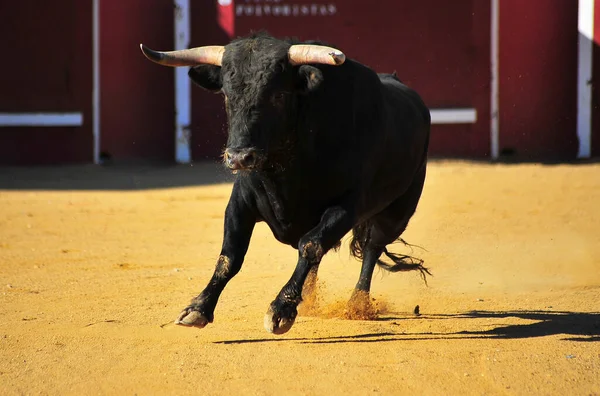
{"type": "Point", "coordinates": [361, 235]}
{"type": "Point", "coordinates": [404, 262]}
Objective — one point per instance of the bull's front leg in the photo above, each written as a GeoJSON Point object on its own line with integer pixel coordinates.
{"type": "Point", "coordinates": [239, 224]}
{"type": "Point", "coordinates": [334, 224]}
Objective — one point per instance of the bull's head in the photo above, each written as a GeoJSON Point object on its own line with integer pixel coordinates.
{"type": "Point", "coordinates": [261, 79]}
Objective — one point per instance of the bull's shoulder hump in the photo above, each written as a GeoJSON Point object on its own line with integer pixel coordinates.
{"type": "Point", "coordinates": [398, 93]}
{"type": "Point", "coordinates": [389, 77]}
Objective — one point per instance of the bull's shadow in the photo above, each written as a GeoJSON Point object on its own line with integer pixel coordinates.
{"type": "Point", "coordinates": [576, 326]}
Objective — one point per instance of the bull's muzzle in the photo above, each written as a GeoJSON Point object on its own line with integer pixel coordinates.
{"type": "Point", "coordinates": [236, 159]}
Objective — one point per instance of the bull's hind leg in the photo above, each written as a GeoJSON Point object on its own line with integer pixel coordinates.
{"type": "Point", "coordinates": [359, 306]}
{"type": "Point", "coordinates": [370, 256]}
{"type": "Point", "coordinates": [370, 241]}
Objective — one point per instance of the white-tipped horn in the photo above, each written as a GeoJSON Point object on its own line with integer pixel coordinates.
{"type": "Point", "coordinates": [302, 54]}
{"type": "Point", "coordinates": [211, 55]}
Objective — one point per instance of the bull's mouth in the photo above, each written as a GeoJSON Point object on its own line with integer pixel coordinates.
{"type": "Point", "coordinates": [235, 169]}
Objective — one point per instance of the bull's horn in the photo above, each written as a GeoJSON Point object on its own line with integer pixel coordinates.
{"type": "Point", "coordinates": [301, 54]}
{"type": "Point", "coordinates": [212, 55]}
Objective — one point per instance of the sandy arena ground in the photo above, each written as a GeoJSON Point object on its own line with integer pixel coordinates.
{"type": "Point", "coordinates": [95, 263]}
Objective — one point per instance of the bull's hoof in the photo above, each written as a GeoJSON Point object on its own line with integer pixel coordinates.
{"type": "Point", "coordinates": [190, 318]}
{"type": "Point", "coordinates": [280, 321]}
{"type": "Point", "coordinates": [361, 307]}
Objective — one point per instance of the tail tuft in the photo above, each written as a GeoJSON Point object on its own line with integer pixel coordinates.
{"type": "Point", "coordinates": [403, 263]}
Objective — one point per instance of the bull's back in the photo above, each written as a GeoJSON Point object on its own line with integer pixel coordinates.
{"type": "Point", "coordinates": [407, 119]}
{"type": "Point", "coordinates": [406, 124]}
{"type": "Point", "coordinates": [404, 106]}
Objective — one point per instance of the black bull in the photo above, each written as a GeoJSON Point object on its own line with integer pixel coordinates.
{"type": "Point", "coordinates": [321, 146]}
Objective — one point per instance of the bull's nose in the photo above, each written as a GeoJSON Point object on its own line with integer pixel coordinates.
{"type": "Point", "coordinates": [229, 159]}
{"type": "Point", "coordinates": [240, 159]}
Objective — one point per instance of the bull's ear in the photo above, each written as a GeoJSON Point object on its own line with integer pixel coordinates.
{"type": "Point", "coordinates": [207, 77]}
{"type": "Point", "coordinates": [309, 78]}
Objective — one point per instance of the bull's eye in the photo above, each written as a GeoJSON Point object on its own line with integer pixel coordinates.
{"type": "Point", "coordinates": [278, 99]}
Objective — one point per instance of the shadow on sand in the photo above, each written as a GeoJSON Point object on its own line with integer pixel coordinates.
{"type": "Point", "coordinates": [147, 175]}
{"type": "Point", "coordinates": [576, 326]}
{"type": "Point", "coordinates": [518, 160]}
{"type": "Point", "coordinates": [113, 177]}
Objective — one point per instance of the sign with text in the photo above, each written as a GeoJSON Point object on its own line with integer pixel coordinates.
{"type": "Point", "coordinates": [283, 8]}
